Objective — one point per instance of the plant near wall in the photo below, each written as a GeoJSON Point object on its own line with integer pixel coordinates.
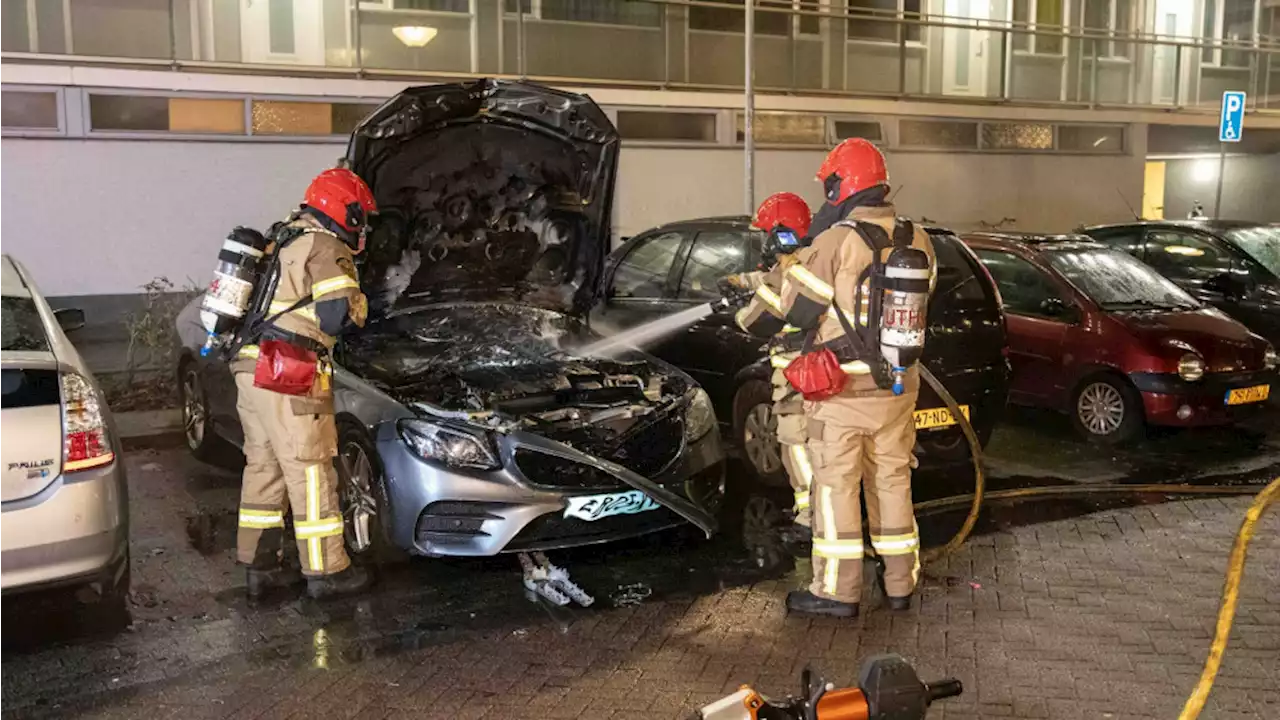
{"type": "Point", "coordinates": [147, 379]}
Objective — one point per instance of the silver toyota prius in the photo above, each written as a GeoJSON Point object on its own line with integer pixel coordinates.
{"type": "Point", "coordinates": [66, 517]}
{"type": "Point", "coordinates": [472, 417]}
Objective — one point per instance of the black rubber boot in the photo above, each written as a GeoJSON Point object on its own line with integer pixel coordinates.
{"type": "Point", "coordinates": [348, 582]}
{"type": "Point", "coordinates": [261, 581]}
{"type": "Point", "coordinates": [803, 602]}
{"type": "Point", "coordinates": [898, 604]}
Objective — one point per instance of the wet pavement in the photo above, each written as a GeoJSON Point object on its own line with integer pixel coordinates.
{"type": "Point", "coordinates": [1095, 606]}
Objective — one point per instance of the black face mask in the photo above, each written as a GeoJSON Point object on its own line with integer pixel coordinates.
{"type": "Point", "coordinates": [830, 214]}
{"type": "Point", "coordinates": [352, 239]}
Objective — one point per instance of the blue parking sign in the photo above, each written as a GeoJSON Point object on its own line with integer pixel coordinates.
{"type": "Point", "coordinates": [1231, 123]}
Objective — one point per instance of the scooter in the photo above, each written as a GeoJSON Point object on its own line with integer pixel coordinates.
{"type": "Point", "coordinates": [888, 689]}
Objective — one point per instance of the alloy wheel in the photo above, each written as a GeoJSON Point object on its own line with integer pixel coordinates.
{"type": "Point", "coordinates": [356, 497]}
{"type": "Point", "coordinates": [760, 440]}
{"type": "Point", "coordinates": [1101, 408]}
{"type": "Point", "coordinates": [193, 409]}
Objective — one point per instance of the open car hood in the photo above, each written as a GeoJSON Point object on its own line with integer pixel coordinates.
{"type": "Point", "coordinates": [483, 187]}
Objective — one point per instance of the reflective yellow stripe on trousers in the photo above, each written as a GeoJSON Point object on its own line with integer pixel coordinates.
{"type": "Point", "coordinates": [261, 518]}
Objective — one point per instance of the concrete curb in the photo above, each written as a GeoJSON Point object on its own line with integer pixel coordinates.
{"type": "Point", "coordinates": [146, 423]}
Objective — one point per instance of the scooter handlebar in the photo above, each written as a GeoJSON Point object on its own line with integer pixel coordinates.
{"type": "Point", "coordinates": [943, 689]}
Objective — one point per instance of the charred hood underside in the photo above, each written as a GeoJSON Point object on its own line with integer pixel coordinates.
{"type": "Point", "coordinates": [487, 187]}
{"type": "Point", "coordinates": [515, 365]}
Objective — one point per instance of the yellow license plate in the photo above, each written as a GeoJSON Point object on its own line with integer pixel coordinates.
{"type": "Point", "coordinates": [937, 417]}
{"type": "Point", "coordinates": [1241, 396]}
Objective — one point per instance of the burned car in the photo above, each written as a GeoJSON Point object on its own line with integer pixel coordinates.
{"type": "Point", "coordinates": [472, 418]}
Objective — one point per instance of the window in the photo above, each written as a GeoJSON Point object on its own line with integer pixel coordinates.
{"type": "Point", "coordinates": [275, 117]}
{"type": "Point", "coordinates": [1127, 239]}
{"type": "Point", "coordinates": [865, 129]}
{"type": "Point", "coordinates": [945, 134]}
{"type": "Point", "coordinates": [1046, 17]}
{"type": "Point", "coordinates": [1262, 244]}
{"type": "Point", "coordinates": [1230, 20]}
{"type": "Point", "coordinates": [1091, 138]}
{"type": "Point", "coordinates": [280, 19]}
{"type": "Point", "coordinates": [1017, 136]}
{"type": "Point", "coordinates": [643, 272]}
{"type": "Point", "coordinates": [874, 19]}
{"type": "Point", "coordinates": [714, 255]}
{"type": "Point", "coordinates": [1115, 17]}
{"type": "Point", "coordinates": [635, 12]}
{"type": "Point", "coordinates": [957, 281]}
{"type": "Point", "coordinates": [20, 326]}
{"type": "Point", "coordinates": [662, 125]}
{"type": "Point", "coordinates": [29, 110]}
{"type": "Point", "coordinates": [1117, 280]}
{"type": "Point", "coordinates": [769, 20]}
{"type": "Point", "coordinates": [1023, 286]}
{"type": "Point", "coordinates": [1186, 257]}
{"type": "Point", "coordinates": [785, 128]}
{"type": "Point", "coordinates": [457, 6]}
{"type": "Point", "coordinates": [166, 114]}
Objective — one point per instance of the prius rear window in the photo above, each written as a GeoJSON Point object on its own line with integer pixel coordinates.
{"type": "Point", "coordinates": [20, 326]}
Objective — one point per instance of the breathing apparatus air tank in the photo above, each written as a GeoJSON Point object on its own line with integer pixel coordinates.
{"type": "Point", "coordinates": [906, 300]}
{"type": "Point", "coordinates": [240, 265]}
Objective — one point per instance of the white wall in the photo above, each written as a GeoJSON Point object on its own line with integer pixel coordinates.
{"type": "Point", "coordinates": [92, 217]}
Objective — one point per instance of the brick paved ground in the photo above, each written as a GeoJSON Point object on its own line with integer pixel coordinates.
{"type": "Point", "coordinates": [1083, 613]}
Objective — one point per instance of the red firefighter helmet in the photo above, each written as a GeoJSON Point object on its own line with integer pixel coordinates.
{"type": "Point", "coordinates": [853, 166]}
{"type": "Point", "coordinates": [783, 209]}
{"type": "Point", "coordinates": [343, 196]}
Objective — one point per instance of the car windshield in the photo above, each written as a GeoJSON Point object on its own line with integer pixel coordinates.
{"type": "Point", "coordinates": [1261, 243]}
{"type": "Point", "coordinates": [1118, 281]}
{"type": "Point", "coordinates": [21, 328]}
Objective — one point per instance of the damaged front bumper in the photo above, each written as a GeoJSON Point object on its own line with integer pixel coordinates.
{"type": "Point", "coordinates": [534, 501]}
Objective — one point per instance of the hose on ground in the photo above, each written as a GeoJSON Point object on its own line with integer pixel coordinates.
{"type": "Point", "coordinates": [1230, 596]}
{"type": "Point", "coordinates": [1235, 565]}
{"type": "Point", "coordinates": [979, 477]}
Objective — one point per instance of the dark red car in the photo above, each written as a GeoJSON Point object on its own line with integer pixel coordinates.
{"type": "Point", "coordinates": [1096, 333]}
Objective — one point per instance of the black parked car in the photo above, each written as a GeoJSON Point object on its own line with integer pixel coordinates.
{"type": "Point", "coordinates": [675, 266]}
{"type": "Point", "coordinates": [1233, 266]}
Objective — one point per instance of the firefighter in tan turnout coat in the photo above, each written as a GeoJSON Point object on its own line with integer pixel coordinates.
{"type": "Point", "coordinates": [860, 441]}
{"type": "Point", "coordinates": [290, 440]}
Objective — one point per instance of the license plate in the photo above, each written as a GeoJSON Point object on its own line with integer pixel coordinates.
{"type": "Point", "coordinates": [1241, 396]}
{"type": "Point", "coordinates": [937, 417]}
{"type": "Point", "coordinates": [594, 507]}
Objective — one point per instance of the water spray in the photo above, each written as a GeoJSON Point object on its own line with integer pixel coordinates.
{"type": "Point", "coordinates": [643, 334]}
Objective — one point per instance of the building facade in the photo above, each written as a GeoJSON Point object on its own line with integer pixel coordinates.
{"type": "Point", "coordinates": [147, 128]}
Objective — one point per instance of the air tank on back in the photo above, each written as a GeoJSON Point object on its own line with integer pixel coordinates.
{"type": "Point", "coordinates": [902, 325]}
{"type": "Point", "coordinates": [240, 265]}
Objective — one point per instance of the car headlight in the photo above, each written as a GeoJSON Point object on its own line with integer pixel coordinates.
{"type": "Point", "coordinates": [1271, 358]}
{"type": "Point", "coordinates": [1190, 367]}
{"type": "Point", "coordinates": [455, 448]}
{"type": "Point", "coordinates": [700, 418]}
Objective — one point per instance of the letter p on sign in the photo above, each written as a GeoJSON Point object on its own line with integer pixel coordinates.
{"type": "Point", "coordinates": [1231, 123]}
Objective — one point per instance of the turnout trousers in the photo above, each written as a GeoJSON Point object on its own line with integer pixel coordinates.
{"type": "Point", "coordinates": [793, 436]}
{"type": "Point", "coordinates": [288, 463]}
{"type": "Point", "coordinates": [862, 445]}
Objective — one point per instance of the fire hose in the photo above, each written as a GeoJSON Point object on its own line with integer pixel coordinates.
{"type": "Point", "coordinates": [1235, 565]}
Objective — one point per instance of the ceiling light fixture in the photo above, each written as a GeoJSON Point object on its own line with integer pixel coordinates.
{"type": "Point", "coordinates": [414, 36]}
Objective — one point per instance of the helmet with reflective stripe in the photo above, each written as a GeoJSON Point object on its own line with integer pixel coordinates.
{"type": "Point", "coordinates": [343, 196]}
{"type": "Point", "coordinates": [783, 209]}
{"type": "Point", "coordinates": [853, 166]}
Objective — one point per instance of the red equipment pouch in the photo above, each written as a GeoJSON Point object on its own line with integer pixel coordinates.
{"type": "Point", "coordinates": [816, 375]}
{"type": "Point", "coordinates": [285, 368]}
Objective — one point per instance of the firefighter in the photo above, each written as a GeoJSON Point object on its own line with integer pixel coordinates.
{"type": "Point", "coordinates": [290, 440]}
{"type": "Point", "coordinates": [860, 440]}
{"type": "Point", "coordinates": [785, 216]}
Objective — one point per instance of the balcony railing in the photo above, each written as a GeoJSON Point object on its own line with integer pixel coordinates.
{"type": "Point", "coordinates": [670, 44]}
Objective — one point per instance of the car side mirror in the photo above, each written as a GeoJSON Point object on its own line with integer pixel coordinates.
{"type": "Point", "coordinates": [1226, 284]}
{"type": "Point", "coordinates": [1053, 307]}
{"type": "Point", "coordinates": [69, 319]}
